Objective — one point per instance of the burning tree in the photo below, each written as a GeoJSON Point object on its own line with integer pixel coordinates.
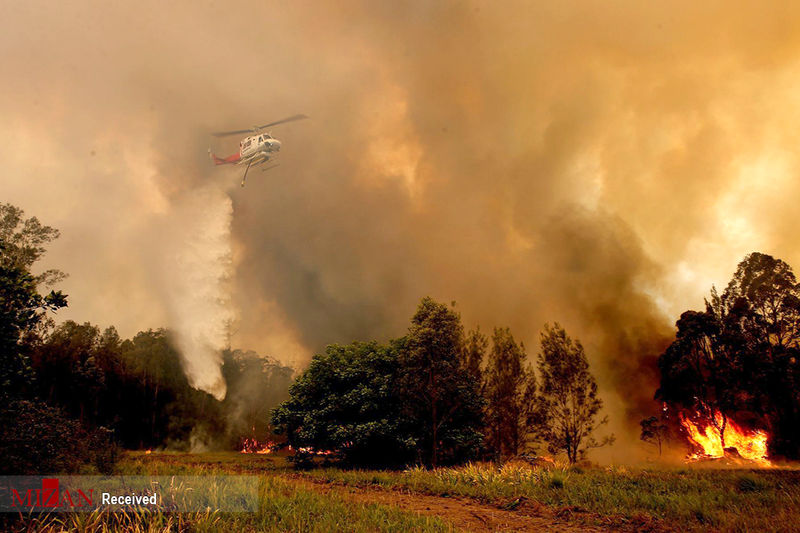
{"type": "Point", "coordinates": [761, 311]}
{"type": "Point", "coordinates": [739, 358]}
{"type": "Point", "coordinates": [698, 371]}
{"type": "Point", "coordinates": [567, 404]}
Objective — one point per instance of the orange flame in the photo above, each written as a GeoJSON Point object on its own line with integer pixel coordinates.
{"type": "Point", "coordinates": [751, 445]}
{"type": "Point", "coordinates": [253, 446]}
{"type": "Point", "coordinates": [312, 451]}
{"type": "Point", "coordinates": [309, 450]}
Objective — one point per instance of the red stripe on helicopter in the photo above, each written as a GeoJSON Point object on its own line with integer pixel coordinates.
{"type": "Point", "coordinates": [227, 160]}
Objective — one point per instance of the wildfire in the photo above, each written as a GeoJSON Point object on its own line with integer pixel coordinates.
{"type": "Point", "coordinates": [751, 445]}
{"type": "Point", "coordinates": [253, 446]}
{"type": "Point", "coordinates": [312, 451]}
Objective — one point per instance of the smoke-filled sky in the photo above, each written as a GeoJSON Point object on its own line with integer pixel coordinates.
{"type": "Point", "coordinates": [592, 163]}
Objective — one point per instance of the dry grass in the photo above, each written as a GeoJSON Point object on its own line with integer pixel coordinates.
{"type": "Point", "coordinates": [680, 499]}
{"type": "Point", "coordinates": [656, 499]}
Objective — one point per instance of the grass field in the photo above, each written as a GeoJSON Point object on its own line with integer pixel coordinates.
{"type": "Point", "coordinates": [472, 497]}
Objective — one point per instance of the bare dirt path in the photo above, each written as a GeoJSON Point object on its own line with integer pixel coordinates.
{"type": "Point", "coordinates": [464, 513]}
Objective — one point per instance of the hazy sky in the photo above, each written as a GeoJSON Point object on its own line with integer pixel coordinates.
{"type": "Point", "coordinates": [593, 163]}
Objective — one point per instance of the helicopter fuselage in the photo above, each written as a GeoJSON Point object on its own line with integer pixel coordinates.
{"type": "Point", "coordinates": [254, 149]}
{"type": "Point", "coordinates": [257, 148]}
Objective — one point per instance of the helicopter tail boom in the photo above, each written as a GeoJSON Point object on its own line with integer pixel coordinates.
{"type": "Point", "coordinates": [230, 160]}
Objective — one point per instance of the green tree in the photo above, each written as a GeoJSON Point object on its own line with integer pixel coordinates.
{"type": "Point", "coordinates": [511, 395]}
{"type": "Point", "coordinates": [441, 399]}
{"type": "Point", "coordinates": [135, 387]}
{"type": "Point", "coordinates": [167, 409]}
{"type": "Point", "coordinates": [344, 402]}
{"type": "Point", "coordinates": [24, 242]}
{"type": "Point", "coordinates": [68, 371]}
{"type": "Point", "coordinates": [34, 437]}
{"type": "Point", "coordinates": [567, 403]}
{"type": "Point", "coordinates": [473, 355]}
{"type": "Point", "coordinates": [23, 310]}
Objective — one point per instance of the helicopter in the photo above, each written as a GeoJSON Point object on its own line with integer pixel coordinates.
{"type": "Point", "coordinates": [255, 149]}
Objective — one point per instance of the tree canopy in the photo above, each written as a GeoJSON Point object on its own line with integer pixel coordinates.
{"type": "Point", "coordinates": [23, 309]}
{"type": "Point", "coordinates": [346, 402]}
{"type": "Point", "coordinates": [511, 396]}
{"type": "Point", "coordinates": [568, 403]}
{"type": "Point", "coordinates": [441, 399]}
{"type": "Point", "coordinates": [412, 399]}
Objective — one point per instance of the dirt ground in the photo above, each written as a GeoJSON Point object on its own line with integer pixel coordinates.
{"type": "Point", "coordinates": [464, 513]}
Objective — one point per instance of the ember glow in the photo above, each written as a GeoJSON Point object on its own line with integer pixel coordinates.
{"type": "Point", "coordinates": [254, 446]}
{"type": "Point", "coordinates": [310, 451]}
{"type": "Point", "coordinates": [750, 445]}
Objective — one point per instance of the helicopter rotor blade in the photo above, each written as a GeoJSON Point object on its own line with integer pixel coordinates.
{"type": "Point", "coordinates": [282, 121]}
{"type": "Point", "coordinates": [253, 130]}
{"type": "Point", "coordinates": [226, 133]}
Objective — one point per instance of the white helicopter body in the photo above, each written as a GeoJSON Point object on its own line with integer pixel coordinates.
{"type": "Point", "coordinates": [253, 150]}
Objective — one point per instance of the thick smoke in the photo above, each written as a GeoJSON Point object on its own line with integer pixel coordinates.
{"type": "Point", "coordinates": [594, 164]}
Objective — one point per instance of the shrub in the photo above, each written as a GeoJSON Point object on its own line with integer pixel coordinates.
{"type": "Point", "coordinates": [36, 438]}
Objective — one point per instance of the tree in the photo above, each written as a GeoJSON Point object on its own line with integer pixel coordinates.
{"type": "Point", "coordinates": [166, 409]}
{"type": "Point", "coordinates": [698, 371]}
{"type": "Point", "coordinates": [22, 309]}
{"type": "Point", "coordinates": [511, 395]}
{"type": "Point", "coordinates": [654, 431]}
{"type": "Point", "coordinates": [740, 357]}
{"type": "Point", "coordinates": [136, 387]}
{"type": "Point", "coordinates": [441, 399]}
{"type": "Point", "coordinates": [344, 402]}
{"type": "Point", "coordinates": [36, 438]}
{"type": "Point", "coordinates": [255, 386]}
{"type": "Point", "coordinates": [473, 355]}
{"type": "Point", "coordinates": [20, 313]}
{"type": "Point", "coordinates": [760, 311]}
{"type": "Point", "coordinates": [567, 403]}
{"type": "Point", "coordinates": [381, 405]}
{"type": "Point", "coordinates": [68, 372]}
{"type": "Point", "coordinates": [762, 301]}
{"type": "Point", "coordinates": [23, 243]}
